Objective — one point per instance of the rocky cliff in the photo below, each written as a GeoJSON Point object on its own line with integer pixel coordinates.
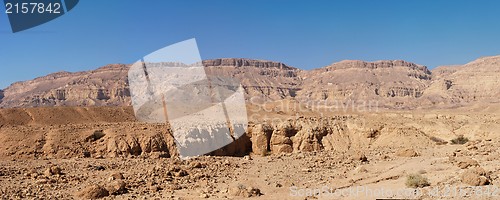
{"type": "Point", "coordinates": [262, 80]}
{"type": "Point", "coordinates": [104, 86]}
{"type": "Point", "coordinates": [350, 83]}
{"type": "Point", "coordinates": [477, 81]}
{"type": "Point", "coordinates": [108, 85]}
{"type": "Point", "coordinates": [354, 83]}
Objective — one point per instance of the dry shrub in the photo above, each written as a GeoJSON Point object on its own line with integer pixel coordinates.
{"type": "Point", "coordinates": [416, 181]}
{"type": "Point", "coordinates": [460, 140]}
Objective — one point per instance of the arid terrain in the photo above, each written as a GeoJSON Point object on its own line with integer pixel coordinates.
{"type": "Point", "coordinates": [351, 130]}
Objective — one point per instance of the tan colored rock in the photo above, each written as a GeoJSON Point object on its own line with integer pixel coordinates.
{"type": "Point", "coordinates": [350, 84]}
{"type": "Point", "coordinates": [116, 187]}
{"type": "Point", "coordinates": [53, 170]}
{"type": "Point", "coordinates": [475, 176]}
{"type": "Point", "coordinates": [195, 164]}
{"type": "Point", "coordinates": [93, 191]}
{"type": "Point", "coordinates": [361, 169]}
{"type": "Point", "coordinates": [261, 138]}
{"type": "Point", "coordinates": [243, 191]}
{"type": "Point", "coordinates": [407, 153]}
{"type": "Point", "coordinates": [467, 163]}
{"type": "Point", "coordinates": [280, 139]}
{"type": "Point", "coordinates": [476, 81]}
{"type": "Point", "coordinates": [282, 148]}
{"type": "Point", "coordinates": [354, 84]}
{"type": "Point", "coordinates": [106, 85]}
{"type": "Point", "coordinates": [117, 176]}
{"type": "Point", "coordinates": [359, 156]}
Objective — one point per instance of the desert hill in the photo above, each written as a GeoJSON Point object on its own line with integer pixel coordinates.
{"type": "Point", "coordinates": [477, 81]}
{"type": "Point", "coordinates": [389, 84]}
{"type": "Point", "coordinates": [104, 86]}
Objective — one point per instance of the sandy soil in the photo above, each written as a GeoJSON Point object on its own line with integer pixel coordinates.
{"type": "Point", "coordinates": [49, 157]}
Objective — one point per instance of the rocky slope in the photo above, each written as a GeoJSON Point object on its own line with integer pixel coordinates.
{"type": "Point", "coordinates": [346, 84]}
{"type": "Point", "coordinates": [66, 132]}
{"type": "Point", "coordinates": [354, 83]}
{"type": "Point", "coordinates": [104, 86]}
{"type": "Point", "coordinates": [102, 152]}
{"type": "Point", "coordinates": [108, 85]}
{"type": "Point", "coordinates": [263, 79]}
{"type": "Point", "coordinates": [477, 81]}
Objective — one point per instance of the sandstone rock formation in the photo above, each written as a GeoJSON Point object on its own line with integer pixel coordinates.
{"type": "Point", "coordinates": [352, 83]}
{"type": "Point", "coordinates": [475, 177]}
{"type": "Point", "coordinates": [264, 80]}
{"type": "Point", "coordinates": [477, 81]}
{"type": "Point", "coordinates": [104, 86]}
{"type": "Point", "coordinates": [346, 85]}
{"type": "Point", "coordinates": [108, 85]}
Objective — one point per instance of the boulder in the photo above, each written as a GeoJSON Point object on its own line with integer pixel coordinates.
{"type": "Point", "coordinates": [93, 191]}
{"type": "Point", "coordinates": [475, 177]}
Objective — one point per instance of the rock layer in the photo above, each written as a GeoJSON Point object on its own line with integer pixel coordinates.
{"type": "Point", "coordinates": [104, 86]}
{"type": "Point", "coordinates": [393, 84]}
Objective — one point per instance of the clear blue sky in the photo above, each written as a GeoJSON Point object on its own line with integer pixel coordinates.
{"type": "Point", "coordinates": [304, 34]}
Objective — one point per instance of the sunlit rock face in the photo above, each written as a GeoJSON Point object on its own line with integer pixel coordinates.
{"type": "Point", "coordinates": [388, 84]}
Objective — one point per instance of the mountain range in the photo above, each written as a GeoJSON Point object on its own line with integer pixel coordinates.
{"type": "Point", "coordinates": [391, 84]}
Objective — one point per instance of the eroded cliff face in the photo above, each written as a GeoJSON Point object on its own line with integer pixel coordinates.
{"type": "Point", "coordinates": [68, 132]}
{"type": "Point", "coordinates": [241, 62]}
{"type": "Point", "coordinates": [477, 81]}
{"type": "Point", "coordinates": [262, 80]}
{"type": "Point", "coordinates": [108, 85]}
{"type": "Point", "coordinates": [389, 84]}
{"type": "Point", "coordinates": [104, 86]}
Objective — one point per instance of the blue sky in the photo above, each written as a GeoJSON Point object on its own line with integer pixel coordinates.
{"type": "Point", "coordinates": [304, 34]}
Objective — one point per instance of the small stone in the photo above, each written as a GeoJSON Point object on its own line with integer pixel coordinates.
{"type": "Point", "coordinates": [181, 173]}
{"type": "Point", "coordinates": [41, 181]}
{"type": "Point", "coordinates": [467, 162]}
{"type": "Point", "coordinates": [54, 170]}
{"type": "Point", "coordinates": [307, 170]}
{"type": "Point", "coordinates": [117, 187]}
{"type": "Point", "coordinates": [117, 176]}
{"type": "Point", "coordinates": [253, 191]}
{"type": "Point", "coordinates": [407, 153]}
{"type": "Point", "coordinates": [243, 191]}
{"type": "Point", "coordinates": [93, 191]}
{"type": "Point", "coordinates": [360, 157]}
{"type": "Point", "coordinates": [196, 164]}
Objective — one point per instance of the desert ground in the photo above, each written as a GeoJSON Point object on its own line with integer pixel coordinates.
{"type": "Point", "coordinates": [89, 153]}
